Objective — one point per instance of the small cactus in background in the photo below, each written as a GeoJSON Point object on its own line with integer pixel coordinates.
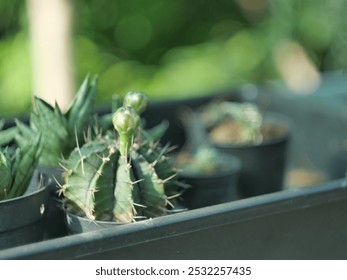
{"type": "Point", "coordinates": [57, 129]}
{"type": "Point", "coordinates": [121, 178]}
{"type": "Point", "coordinates": [17, 168]}
{"type": "Point", "coordinates": [233, 122]}
{"type": "Point", "coordinates": [198, 156]}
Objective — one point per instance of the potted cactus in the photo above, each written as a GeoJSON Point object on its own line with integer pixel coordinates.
{"type": "Point", "coordinates": [259, 140]}
{"type": "Point", "coordinates": [211, 174]}
{"type": "Point", "coordinates": [21, 190]}
{"type": "Point", "coordinates": [119, 177]}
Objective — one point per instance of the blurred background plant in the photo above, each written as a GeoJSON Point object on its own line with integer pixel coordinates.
{"type": "Point", "coordinates": [171, 49]}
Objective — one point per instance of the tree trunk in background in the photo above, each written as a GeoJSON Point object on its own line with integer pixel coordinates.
{"type": "Point", "coordinates": [50, 23]}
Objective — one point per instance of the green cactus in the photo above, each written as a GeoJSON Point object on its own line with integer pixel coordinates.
{"type": "Point", "coordinates": [121, 178]}
{"type": "Point", "coordinates": [17, 168]}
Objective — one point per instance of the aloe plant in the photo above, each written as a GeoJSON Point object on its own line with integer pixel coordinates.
{"type": "Point", "coordinates": [58, 130]}
{"type": "Point", "coordinates": [7, 135]}
{"type": "Point", "coordinates": [17, 168]}
{"type": "Point", "coordinates": [121, 176]}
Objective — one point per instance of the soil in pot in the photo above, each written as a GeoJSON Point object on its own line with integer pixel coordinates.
{"type": "Point", "coordinates": [304, 177]}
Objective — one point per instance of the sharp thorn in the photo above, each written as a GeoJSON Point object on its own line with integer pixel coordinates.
{"type": "Point", "coordinates": [169, 178]}
{"type": "Point", "coordinates": [174, 196]}
{"type": "Point", "coordinates": [169, 203]}
{"type": "Point", "coordinates": [139, 205]}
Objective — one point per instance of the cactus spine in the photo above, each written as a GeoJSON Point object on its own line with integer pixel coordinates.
{"type": "Point", "coordinates": [121, 178]}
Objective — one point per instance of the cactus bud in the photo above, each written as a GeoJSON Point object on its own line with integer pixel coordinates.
{"type": "Point", "coordinates": [125, 121]}
{"type": "Point", "coordinates": [136, 100]}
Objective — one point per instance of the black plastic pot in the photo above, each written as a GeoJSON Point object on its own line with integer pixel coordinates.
{"type": "Point", "coordinates": [22, 218]}
{"type": "Point", "coordinates": [55, 216]}
{"type": "Point", "coordinates": [263, 165]}
{"type": "Point", "coordinates": [206, 190]}
{"type": "Point", "coordinates": [76, 224]}
{"type": "Point", "coordinates": [291, 224]}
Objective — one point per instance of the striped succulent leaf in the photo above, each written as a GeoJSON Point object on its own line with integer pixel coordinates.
{"type": "Point", "coordinates": [58, 130]}
{"type": "Point", "coordinates": [17, 168]}
{"type": "Point", "coordinates": [5, 173]}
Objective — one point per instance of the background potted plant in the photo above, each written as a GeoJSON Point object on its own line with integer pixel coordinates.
{"type": "Point", "coordinates": [212, 175]}
{"type": "Point", "coordinates": [259, 140]}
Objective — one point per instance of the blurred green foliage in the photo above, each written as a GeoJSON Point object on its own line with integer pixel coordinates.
{"type": "Point", "coordinates": [154, 45]}
{"type": "Point", "coordinates": [15, 67]}
{"type": "Point", "coordinates": [172, 49]}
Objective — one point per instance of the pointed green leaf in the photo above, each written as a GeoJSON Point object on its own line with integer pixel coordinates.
{"type": "Point", "coordinates": [81, 111]}
{"type": "Point", "coordinates": [26, 162]}
{"type": "Point", "coordinates": [5, 173]}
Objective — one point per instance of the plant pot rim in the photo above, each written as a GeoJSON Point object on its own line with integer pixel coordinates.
{"type": "Point", "coordinates": [234, 167]}
{"type": "Point", "coordinates": [181, 224]}
{"type": "Point", "coordinates": [35, 200]}
{"type": "Point", "coordinates": [28, 193]}
{"type": "Point", "coordinates": [86, 220]}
